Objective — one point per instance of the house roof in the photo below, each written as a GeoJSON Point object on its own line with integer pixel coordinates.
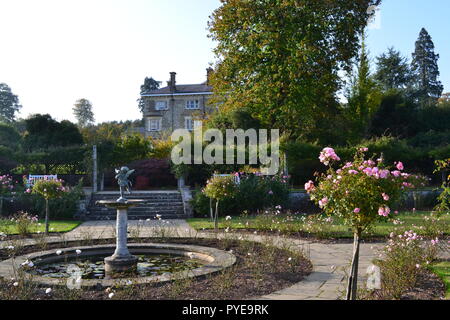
{"type": "Point", "coordinates": [181, 89]}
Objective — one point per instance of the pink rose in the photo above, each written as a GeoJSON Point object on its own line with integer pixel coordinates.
{"type": "Point", "coordinates": [357, 210]}
{"type": "Point", "coordinates": [323, 202]}
{"type": "Point", "coordinates": [400, 166]}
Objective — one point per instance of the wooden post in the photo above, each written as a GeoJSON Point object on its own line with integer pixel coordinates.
{"type": "Point", "coordinates": [352, 286]}
{"type": "Point", "coordinates": [46, 216]}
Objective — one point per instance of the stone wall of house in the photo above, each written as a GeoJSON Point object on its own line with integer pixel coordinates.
{"type": "Point", "coordinates": [174, 117]}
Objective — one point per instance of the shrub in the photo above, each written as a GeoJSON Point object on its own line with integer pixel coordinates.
{"type": "Point", "coordinates": [361, 192]}
{"type": "Point", "coordinates": [48, 189]}
{"type": "Point", "coordinates": [24, 222]}
{"type": "Point", "coordinates": [253, 194]}
{"type": "Point", "coordinates": [403, 257]}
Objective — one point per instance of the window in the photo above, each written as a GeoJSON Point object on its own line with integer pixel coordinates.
{"type": "Point", "coordinates": [192, 104]}
{"type": "Point", "coordinates": [188, 123]}
{"type": "Point", "coordinates": [154, 124]}
{"type": "Point", "coordinates": [161, 105]}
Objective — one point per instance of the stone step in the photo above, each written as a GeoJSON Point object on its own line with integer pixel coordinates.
{"type": "Point", "coordinates": [168, 204]}
{"type": "Point", "coordinates": [135, 217]}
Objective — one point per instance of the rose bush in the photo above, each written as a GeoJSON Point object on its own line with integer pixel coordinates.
{"type": "Point", "coordinates": [48, 189]}
{"type": "Point", "coordinates": [360, 192]}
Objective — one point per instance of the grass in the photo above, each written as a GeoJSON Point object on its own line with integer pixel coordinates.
{"type": "Point", "coordinates": [442, 270]}
{"type": "Point", "coordinates": [295, 224]}
{"type": "Point", "coordinates": [10, 228]}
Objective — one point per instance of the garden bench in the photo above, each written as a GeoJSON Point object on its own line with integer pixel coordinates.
{"type": "Point", "coordinates": [32, 178]}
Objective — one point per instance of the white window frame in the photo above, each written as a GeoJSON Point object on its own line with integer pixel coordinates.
{"type": "Point", "coordinates": [151, 124]}
{"type": "Point", "coordinates": [192, 104]}
{"type": "Point", "coordinates": [188, 123]}
{"type": "Point", "coordinates": [160, 102]}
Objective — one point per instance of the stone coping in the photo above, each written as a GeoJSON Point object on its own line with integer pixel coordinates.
{"type": "Point", "coordinates": [215, 261]}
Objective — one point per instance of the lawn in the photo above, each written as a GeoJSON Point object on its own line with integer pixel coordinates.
{"type": "Point", "coordinates": [442, 269]}
{"type": "Point", "coordinates": [10, 227]}
{"type": "Point", "coordinates": [319, 226]}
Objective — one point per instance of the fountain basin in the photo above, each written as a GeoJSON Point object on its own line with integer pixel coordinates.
{"type": "Point", "coordinates": [211, 260]}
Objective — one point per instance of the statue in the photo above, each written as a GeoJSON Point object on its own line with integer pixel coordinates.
{"type": "Point", "coordinates": [124, 183]}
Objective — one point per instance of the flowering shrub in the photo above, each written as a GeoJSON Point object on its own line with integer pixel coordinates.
{"type": "Point", "coordinates": [220, 187]}
{"type": "Point", "coordinates": [402, 260]}
{"type": "Point", "coordinates": [360, 192]}
{"type": "Point", "coordinates": [48, 189]}
{"type": "Point", "coordinates": [24, 222]}
{"type": "Point", "coordinates": [254, 193]}
{"type": "Point", "coordinates": [6, 187]}
{"type": "Point", "coordinates": [6, 184]}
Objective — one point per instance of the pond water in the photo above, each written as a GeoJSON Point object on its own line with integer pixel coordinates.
{"type": "Point", "coordinates": [94, 267]}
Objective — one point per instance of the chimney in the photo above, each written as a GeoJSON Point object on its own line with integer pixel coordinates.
{"type": "Point", "coordinates": [209, 72]}
{"type": "Point", "coordinates": [172, 82]}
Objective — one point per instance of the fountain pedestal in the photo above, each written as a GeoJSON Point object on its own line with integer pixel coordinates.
{"type": "Point", "coordinates": [122, 260]}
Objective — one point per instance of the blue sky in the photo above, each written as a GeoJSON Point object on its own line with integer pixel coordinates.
{"type": "Point", "coordinates": [55, 52]}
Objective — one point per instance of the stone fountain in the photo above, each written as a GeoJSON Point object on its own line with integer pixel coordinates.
{"type": "Point", "coordinates": [122, 260]}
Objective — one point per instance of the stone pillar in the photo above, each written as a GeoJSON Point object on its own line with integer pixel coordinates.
{"type": "Point", "coordinates": [94, 171]}
{"type": "Point", "coordinates": [121, 231]}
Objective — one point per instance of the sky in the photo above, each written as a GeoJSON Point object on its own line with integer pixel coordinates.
{"type": "Point", "coordinates": [55, 52]}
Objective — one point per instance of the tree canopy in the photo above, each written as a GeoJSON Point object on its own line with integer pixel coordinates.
{"type": "Point", "coordinates": [393, 70]}
{"type": "Point", "coordinates": [83, 112]}
{"type": "Point", "coordinates": [9, 104]}
{"type": "Point", "coordinates": [43, 132]}
{"type": "Point", "coordinates": [279, 59]}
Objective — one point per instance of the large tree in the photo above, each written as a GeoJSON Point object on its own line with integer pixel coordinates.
{"type": "Point", "coordinates": [83, 112]}
{"type": "Point", "coordinates": [279, 59]}
{"type": "Point", "coordinates": [393, 70]}
{"type": "Point", "coordinates": [9, 104]}
{"type": "Point", "coordinates": [426, 70]}
{"type": "Point", "coordinates": [149, 85]}
{"type": "Point", "coordinates": [43, 132]}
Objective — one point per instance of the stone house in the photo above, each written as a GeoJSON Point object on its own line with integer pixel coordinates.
{"type": "Point", "coordinates": [176, 106]}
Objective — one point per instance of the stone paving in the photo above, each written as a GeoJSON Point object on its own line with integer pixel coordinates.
{"type": "Point", "coordinates": [330, 261]}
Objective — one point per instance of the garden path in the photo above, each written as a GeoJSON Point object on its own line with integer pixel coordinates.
{"type": "Point", "coordinates": [330, 260]}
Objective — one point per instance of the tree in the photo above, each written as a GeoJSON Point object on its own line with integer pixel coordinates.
{"type": "Point", "coordinates": [393, 70]}
{"type": "Point", "coordinates": [363, 96]}
{"type": "Point", "coordinates": [360, 193]}
{"type": "Point", "coordinates": [9, 137]}
{"type": "Point", "coordinates": [43, 132]}
{"type": "Point", "coordinates": [83, 112]}
{"type": "Point", "coordinates": [149, 85]}
{"type": "Point", "coordinates": [49, 189]}
{"type": "Point", "coordinates": [9, 104]}
{"type": "Point", "coordinates": [426, 70]}
{"type": "Point", "coordinates": [280, 59]}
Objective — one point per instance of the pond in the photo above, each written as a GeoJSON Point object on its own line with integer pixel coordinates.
{"type": "Point", "coordinates": [94, 267]}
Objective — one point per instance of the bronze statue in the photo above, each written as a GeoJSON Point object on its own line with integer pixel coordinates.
{"type": "Point", "coordinates": [124, 183]}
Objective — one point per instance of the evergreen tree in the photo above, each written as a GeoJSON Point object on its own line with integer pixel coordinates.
{"type": "Point", "coordinates": [149, 85]}
{"type": "Point", "coordinates": [83, 112]}
{"type": "Point", "coordinates": [363, 96]}
{"type": "Point", "coordinates": [9, 104]}
{"type": "Point", "coordinates": [426, 70]}
{"type": "Point", "coordinates": [393, 71]}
